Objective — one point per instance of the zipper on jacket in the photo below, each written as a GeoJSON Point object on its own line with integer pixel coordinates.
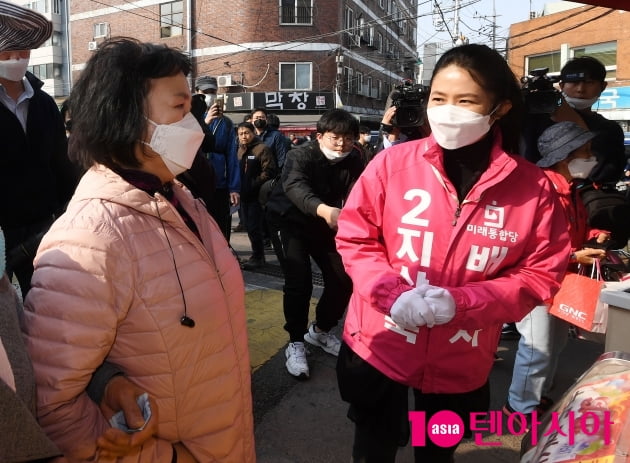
{"type": "Point", "coordinates": [458, 212]}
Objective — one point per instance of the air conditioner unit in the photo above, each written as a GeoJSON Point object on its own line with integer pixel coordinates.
{"type": "Point", "coordinates": [92, 46]}
{"type": "Point", "coordinates": [224, 81]}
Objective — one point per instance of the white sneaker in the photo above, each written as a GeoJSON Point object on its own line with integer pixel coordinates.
{"type": "Point", "coordinates": [325, 340]}
{"type": "Point", "coordinates": [296, 359]}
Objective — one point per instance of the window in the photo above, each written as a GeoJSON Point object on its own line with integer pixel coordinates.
{"type": "Point", "coordinates": [348, 80]}
{"type": "Point", "coordinates": [38, 5]}
{"type": "Point", "coordinates": [100, 30]}
{"type": "Point", "coordinates": [54, 40]}
{"type": "Point", "coordinates": [604, 52]}
{"type": "Point", "coordinates": [359, 83]}
{"type": "Point", "coordinates": [382, 4]}
{"type": "Point", "coordinates": [171, 18]}
{"type": "Point", "coordinates": [379, 42]}
{"type": "Point", "coordinates": [379, 88]}
{"type": "Point", "coordinates": [296, 11]}
{"type": "Point", "coordinates": [295, 76]}
{"type": "Point", "coordinates": [350, 24]}
{"type": "Point", "coordinates": [56, 6]}
{"type": "Point", "coordinates": [46, 71]}
{"type": "Point", "coordinates": [548, 60]}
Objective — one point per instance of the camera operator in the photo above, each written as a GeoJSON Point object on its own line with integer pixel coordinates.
{"type": "Point", "coordinates": [404, 118]}
{"type": "Point", "coordinates": [582, 81]}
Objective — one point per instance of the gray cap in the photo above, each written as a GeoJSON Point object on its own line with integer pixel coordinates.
{"type": "Point", "coordinates": [206, 83]}
{"type": "Point", "coordinates": [22, 28]}
{"type": "Point", "coordinates": [561, 139]}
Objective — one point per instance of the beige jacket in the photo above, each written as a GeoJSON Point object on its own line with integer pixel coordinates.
{"type": "Point", "coordinates": [107, 287]}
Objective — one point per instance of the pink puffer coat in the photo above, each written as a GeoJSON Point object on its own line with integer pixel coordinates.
{"type": "Point", "coordinates": [107, 288]}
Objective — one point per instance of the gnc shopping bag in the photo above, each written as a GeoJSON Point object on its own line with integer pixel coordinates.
{"type": "Point", "coordinates": [577, 300]}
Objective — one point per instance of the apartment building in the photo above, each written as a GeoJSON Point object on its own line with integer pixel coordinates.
{"type": "Point", "coordinates": [560, 34]}
{"type": "Point", "coordinates": [50, 62]}
{"type": "Point", "coordinates": [297, 58]}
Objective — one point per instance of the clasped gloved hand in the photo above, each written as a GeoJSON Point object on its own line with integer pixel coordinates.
{"type": "Point", "coordinates": [410, 309]}
{"type": "Point", "coordinates": [424, 305]}
{"type": "Point", "coordinates": [441, 303]}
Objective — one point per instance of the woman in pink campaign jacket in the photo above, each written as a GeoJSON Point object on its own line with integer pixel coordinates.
{"type": "Point", "coordinates": [445, 239]}
{"type": "Point", "coordinates": [137, 274]}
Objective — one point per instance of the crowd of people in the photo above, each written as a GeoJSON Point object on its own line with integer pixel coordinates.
{"type": "Point", "coordinates": [118, 224]}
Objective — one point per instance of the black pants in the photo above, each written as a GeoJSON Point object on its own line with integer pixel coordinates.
{"type": "Point", "coordinates": [254, 224]}
{"type": "Point", "coordinates": [297, 244]}
{"type": "Point", "coordinates": [220, 211]}
{"type": "Point", "coordinates": [379, 409]}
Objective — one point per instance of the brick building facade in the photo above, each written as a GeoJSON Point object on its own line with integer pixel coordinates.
{"type": "Point", "coordinates": [292, 56]}
{"type": "Point", "coordinates": [552, 39]}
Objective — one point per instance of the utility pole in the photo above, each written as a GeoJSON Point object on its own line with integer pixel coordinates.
{"type": "Point", "coordinates": [456, 21]}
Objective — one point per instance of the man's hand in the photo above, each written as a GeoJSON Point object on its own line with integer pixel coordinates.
{"type": "Point", "coordinates": [329, 214]}
{"type": "Point", "coordinates": [213, 113]}
{"type": "Point", "coordinates": [388, 116]}
{"type": "Point", "coordinates": [235, 199]}
{"type": "Point", "coordinates": [121, 394]}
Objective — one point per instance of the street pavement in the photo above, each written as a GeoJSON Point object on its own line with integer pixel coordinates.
{"type": "Point", "coordinates": [305, 421]}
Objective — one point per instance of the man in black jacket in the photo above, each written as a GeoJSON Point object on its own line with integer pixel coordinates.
{"type": "Point", "coordinates": [37, 178]}
{"type": "Point", "coordinates": [303, 210]}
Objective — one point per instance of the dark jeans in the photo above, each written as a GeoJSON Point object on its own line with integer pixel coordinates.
{"type": "Point", "coordinates": [220, 211]}
{"type": "Point", "coordinates": [379, 408]}
{"type": "Point", "coordinates": [295, 244]}
{"type": "Point", "coordinates": [254, 224]}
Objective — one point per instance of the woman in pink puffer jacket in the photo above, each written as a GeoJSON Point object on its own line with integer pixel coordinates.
{"type": "Point", "coordinates": [137, 274]}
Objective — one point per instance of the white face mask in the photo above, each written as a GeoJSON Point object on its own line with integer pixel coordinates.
{"type": "Point", "coordinates": [454, 126]}
{"type": "Point", "coordinates": [580, 103]}
{"type": "Point", "coordinates": [13, 69]}
{"type": "Point", "coordinates": [581, 168]}
{"type": "Point", "coordinates": [332, 155]}
{"type": "Point", "coordinates": [177, 143]}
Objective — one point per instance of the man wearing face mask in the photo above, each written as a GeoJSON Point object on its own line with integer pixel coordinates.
{"type": "Point", "coordinates": [37, 177]}
{"type": "Point", "coordinates": [222, 158]}
{"type": "Point", "coordinates": [303, 209]}
{"type": "Point", "coordinates": [582, 81]}
{"type": "Point", "coordinates": [269, 136]}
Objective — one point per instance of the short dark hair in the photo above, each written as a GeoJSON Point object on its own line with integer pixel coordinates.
{"type": "Point", "coordinates": [248, 125]}
{"type": "Point", "coordinates": [490, 70]}
{"type": "Point", "coordinates": [108, 102]}
{"type": "Point", "coordinates": [261, 110]}
{"type": "Point", "coordinates": [583, 68]}
{"type": "Point", "coordinates": [273, 121]}
{"type": "Point", "coordinates": [338, 121]}
{"type": "Point", "coordinates": [364, 129]}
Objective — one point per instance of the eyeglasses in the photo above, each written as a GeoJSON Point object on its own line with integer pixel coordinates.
{"type": "Point", "coordinates": [337, 141]}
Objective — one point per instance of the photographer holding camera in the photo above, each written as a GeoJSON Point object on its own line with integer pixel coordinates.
{"type": "Point", "coordinates": [404, 118]}
{"type": "Point", "coordinates": [582, 81]}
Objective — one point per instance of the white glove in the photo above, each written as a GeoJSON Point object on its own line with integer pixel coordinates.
{"type": "Point", "coordinates": [441, 303]}
{"type": "Point", "coordinates": [410, 310]}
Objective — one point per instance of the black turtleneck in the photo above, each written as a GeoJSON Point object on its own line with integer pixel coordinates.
{"type": "Point", "coordinates": [465, 165]}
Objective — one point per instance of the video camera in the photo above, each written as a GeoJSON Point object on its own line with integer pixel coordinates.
{"type": "Point", "coordinates": [539, 94]}
{"type": "Point", "coordinates": [409, 101]}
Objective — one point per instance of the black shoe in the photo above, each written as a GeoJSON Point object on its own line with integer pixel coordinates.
{"type": "Point", "coordinates": [253, 263]}
{"type": "Point", "coordinates": [267, 244]}
{"type": "Point", "coordinates": [509, 331]}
